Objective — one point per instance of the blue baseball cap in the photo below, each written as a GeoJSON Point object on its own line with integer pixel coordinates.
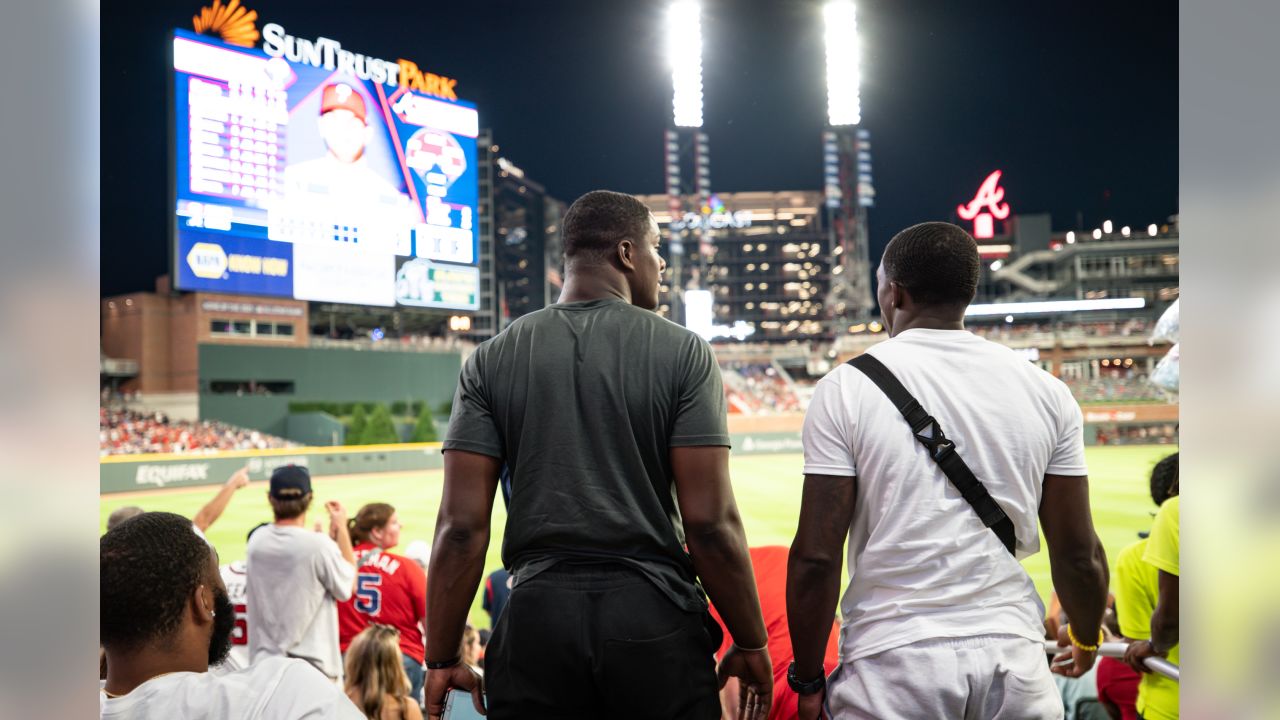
{"type": "Point", "coordinates": [289, 482]}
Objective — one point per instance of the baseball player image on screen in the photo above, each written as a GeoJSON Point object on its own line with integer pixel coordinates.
{"type": "Point", "coordinates": [343, 174]}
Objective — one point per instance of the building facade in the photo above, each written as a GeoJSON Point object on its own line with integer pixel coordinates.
{"type": "Point", "coordinates": [765, 257]}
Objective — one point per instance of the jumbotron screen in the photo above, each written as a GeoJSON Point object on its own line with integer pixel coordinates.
{"type": "Point", "coordinates": [299, 179]}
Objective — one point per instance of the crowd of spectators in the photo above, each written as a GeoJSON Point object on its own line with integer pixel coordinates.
{"type": "Point", "coordinates": [758, 389]}
{"type": "Point", "coordinates": [131, 432]}
{"type": "Point", "coordinates": [1004, 331]}
{"type": "Point", "coordinates": [1134, 388]}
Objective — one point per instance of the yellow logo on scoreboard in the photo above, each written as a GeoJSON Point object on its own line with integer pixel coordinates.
{"type": "Point", "coordinates": [207, 260]}
{"type": "Point", "coordinates": [231, 22]}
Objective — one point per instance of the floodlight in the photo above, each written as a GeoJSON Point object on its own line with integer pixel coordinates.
{"type": "Point", "coordinates": [844, 74]}
{"type": "Point", "coordinates": [1106, 226]}
{"type": "Point", "coordinates": [1151, 229]}
{"type": "Point", "coordinates": [684, 52]}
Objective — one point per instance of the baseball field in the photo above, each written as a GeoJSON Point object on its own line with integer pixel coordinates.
{"type": "Point", "coordinates": [767, 489]}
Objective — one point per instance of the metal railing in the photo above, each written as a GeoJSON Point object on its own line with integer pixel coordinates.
{"type": "Point", "coordinates": [1116, 650]}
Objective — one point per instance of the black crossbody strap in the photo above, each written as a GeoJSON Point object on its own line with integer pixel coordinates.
{"type": "Point", "coordinates": [942, 450]}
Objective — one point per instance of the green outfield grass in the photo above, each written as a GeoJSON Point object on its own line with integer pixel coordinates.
{"type": "Point", "coordinates": [767, 488]}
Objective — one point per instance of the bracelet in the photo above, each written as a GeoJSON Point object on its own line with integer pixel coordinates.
{"type": "Point", "coordinates": [1087, 648]}
{"type": "Point", "coordinates": [739, 648]}
{"type": "Point", "coordinates": [444, 664]}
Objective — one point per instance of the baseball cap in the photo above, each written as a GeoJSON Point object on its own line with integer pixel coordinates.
{"type": "Point", "coordinates": [341, 96]}
{"type": "Point", "coordinates": [290, 481]}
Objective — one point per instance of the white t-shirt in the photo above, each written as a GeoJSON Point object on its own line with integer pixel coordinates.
{"type": "Point", "coordinates": [921, 563]}
{"type": "Point", "coordinates": [235, 577]}
{"type": "Point", "coordinates": [274, 688]}
{"type": "Point", "coordinates": [296, 576]}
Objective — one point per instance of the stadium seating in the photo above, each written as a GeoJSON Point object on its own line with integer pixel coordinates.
{"type": "Point", "coordinates": [758, 389]}
{"type": "Point", "coordinates": [129, 432]}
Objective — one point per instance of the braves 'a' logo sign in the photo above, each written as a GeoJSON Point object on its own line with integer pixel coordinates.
{"type": "Point", "coordinates": [990, 196]}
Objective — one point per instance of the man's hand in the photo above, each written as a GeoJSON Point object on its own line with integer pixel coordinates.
{"type": "Point", "coordinates": [337, 513]}
{"type": "Point", "coordinates": [810, 706]}
{"type": "Point", "coordinates": [460, 676]}
{"type": "Point", "coordinates": [1074, 662]}
{"type": "Point", "coordinates": [1137, 652]}
{"type": "Point", "coordinates": [239, 479]}
{"type": "Point", "coordinates": [754, 671]}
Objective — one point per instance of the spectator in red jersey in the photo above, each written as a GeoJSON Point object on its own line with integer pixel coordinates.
{"type": "Point", "coordinates": [770, 566]}
{"type": "Point", "coordinates": [390, 589]}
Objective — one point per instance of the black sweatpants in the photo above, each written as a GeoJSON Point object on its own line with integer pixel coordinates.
{"type": "Point", "coordinates": [598, 641]}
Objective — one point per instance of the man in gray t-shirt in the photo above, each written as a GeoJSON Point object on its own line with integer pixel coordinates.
{"type": "Point", "coordinates": [610, 421]}
{"type": "Point", "coordinates": [295, 577]}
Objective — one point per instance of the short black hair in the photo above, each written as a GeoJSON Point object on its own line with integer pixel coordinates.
{"type": "Point", "coordinates": [1164, 479]}
{"type": "Point", "coordinates": [936, 262]}
{"type": "Point", "coordinates": [596, 222]}
{"type": "Point", "coordinates": [148, 567]}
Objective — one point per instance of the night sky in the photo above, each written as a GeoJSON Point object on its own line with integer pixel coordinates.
{"type": "Point", "coordinates": [1075, 101]}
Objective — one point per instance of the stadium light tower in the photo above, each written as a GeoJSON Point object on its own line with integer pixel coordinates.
{"type": "Point", "coordinates": [847, 169]}
{"type": "Point", "coordinates": [686, 156]}
{"type": "Point", "coordinates": [684, 51]}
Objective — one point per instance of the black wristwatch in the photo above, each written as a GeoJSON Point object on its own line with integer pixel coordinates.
{"type": "Point", "coordinates": [805, 688]}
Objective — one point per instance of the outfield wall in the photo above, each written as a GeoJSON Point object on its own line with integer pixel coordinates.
{"type": "Point", "coordinates": [130, 473]}
{"type": "Point", "coordinates": [749, 435]}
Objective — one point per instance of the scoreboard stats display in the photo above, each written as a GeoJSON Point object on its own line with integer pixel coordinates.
{"type": "Point", "coordinates": [301, 174]}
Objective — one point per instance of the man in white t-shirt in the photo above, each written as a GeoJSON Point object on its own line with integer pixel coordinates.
{"type": "Point", "coordinates": [296, 576]}
{"type": "Point", "coordinates": [939, 619]}
{"type": "Point", "coordinates": [165, 618]}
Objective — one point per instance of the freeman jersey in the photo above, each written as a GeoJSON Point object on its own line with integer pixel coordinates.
{"type": "Point", "coordinates": [391, 590]}
{"type": "Point", "coordinates": [235, 578]}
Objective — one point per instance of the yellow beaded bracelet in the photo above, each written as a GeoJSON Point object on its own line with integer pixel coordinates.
{"type": "Point", "coordinates": [1087, 648]}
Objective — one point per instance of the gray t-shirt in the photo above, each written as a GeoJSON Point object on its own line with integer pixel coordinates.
{"type": "Point", "coordinates": [295, 577]}
{"type": "Point", "coordinates": [583, 401]}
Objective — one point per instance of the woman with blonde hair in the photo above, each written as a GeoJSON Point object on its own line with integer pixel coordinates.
{"type": "Point", "coordinates": [375, 678]}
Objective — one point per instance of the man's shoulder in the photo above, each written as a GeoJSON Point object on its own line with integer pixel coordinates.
{"type": "Point", "coordinates": [272, 677]}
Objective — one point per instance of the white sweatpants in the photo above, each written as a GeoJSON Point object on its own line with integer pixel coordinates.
{"type": "Point", "coordinates": [989, 677]}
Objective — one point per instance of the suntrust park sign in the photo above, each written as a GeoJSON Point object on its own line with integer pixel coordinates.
{"type": "Point", "coordinates": [328, 54]}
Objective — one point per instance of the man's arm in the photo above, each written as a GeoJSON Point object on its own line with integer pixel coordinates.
{"type": "Point", "coordinates": [339, 531]}
{"type": "Point", "coordinates": [457, 562]}
{"type": "Point", "coordinates": [718, 547]}
{"type": "Point", "coordinates": [813, 568]}
{"type": "Point", "coordinates": [1164, 621]}
{"type": "Point", "coordinates": [1078, 563]}
{"type": "Point", "coordinates": [1164, 626]}
{"type": "Point", "coordinates": [213, 509]}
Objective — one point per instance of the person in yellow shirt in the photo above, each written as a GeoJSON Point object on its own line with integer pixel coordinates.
{"type": "Point", "coordinates": [1147, 600]}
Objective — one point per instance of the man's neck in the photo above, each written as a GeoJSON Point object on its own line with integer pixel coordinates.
{"type": "Point", "coordinates": [300, 521]}
{"type": "Point", "coordinates": [126, 672]}
{"type": "Point", "coordinates": [926, 319]}
{"type": "Point", "coordinates": [583, 286]}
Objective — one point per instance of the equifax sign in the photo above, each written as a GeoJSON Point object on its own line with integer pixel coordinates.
{"type": "Point", "coordinates": [986, 207]}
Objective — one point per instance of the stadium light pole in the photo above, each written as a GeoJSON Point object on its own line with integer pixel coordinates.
{"type": "Point", "coordinates": [847, 160]}
{"type": "Point", "coordinates": [684, 56]}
